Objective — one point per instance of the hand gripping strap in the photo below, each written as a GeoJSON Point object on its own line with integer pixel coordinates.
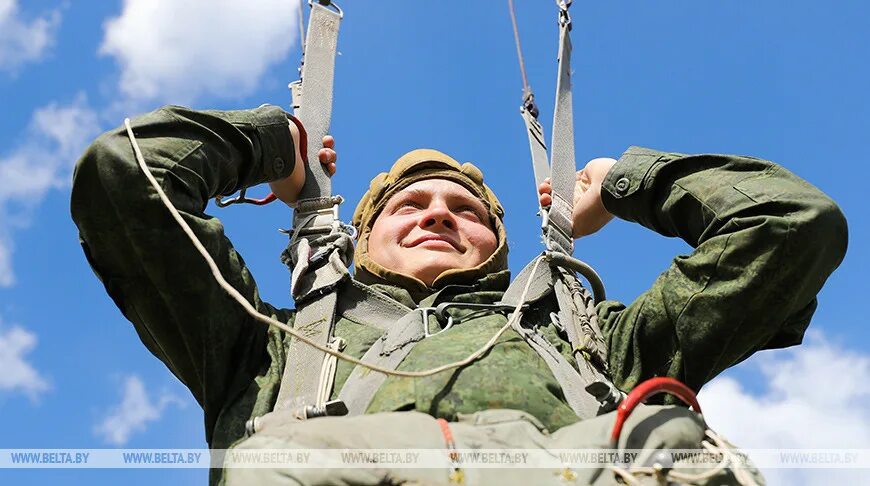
{"type": "Point", "coordinates": [316, 105]}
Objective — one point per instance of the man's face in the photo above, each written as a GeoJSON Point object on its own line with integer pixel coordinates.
{"type": "Point", "coordinates": [429, 227]}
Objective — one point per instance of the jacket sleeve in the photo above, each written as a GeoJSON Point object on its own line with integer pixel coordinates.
{"type": "Point", "coordinates": [764, 243]}
{"type": "Point", "coordinates": [148, 265]}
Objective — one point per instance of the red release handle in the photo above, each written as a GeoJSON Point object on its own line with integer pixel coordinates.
{"type": "Point", "coordinates": [645, 390]}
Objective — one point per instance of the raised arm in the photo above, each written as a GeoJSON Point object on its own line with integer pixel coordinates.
{"type": "Point", "coordinates": [147, 264]}
{"type": "Point", "coordinates": [764, 243]}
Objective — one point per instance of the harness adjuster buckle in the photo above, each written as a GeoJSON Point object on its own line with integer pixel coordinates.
{"type": "Point", "coordinates": [317, 217]}
{"type": "Point", "coordinates": [331, 408]}
{"type": "Point", "coordinates": [425, 312]}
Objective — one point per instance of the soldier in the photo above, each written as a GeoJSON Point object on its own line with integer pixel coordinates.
{"type": "Point", "coordinates": [431, 232]}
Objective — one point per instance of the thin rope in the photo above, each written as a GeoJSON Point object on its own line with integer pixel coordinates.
{"type": "Point", "coordinates": [216, 273]}
{"type": "Point", "coordinates": [526, 89]}
{"type": "Point", "coordinates": [721, 447]}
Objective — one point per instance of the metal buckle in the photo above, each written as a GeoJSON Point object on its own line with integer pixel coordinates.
{"type": "Point", "coordinates": [329, 3]}
{"type": "Point", "coordinates": [564, 16]}
{"type": "Point", "coordinates": [222, 201]}
{"type": "Point", "coordinates": [319, 216]}
{"type": "Point", "coordinates": [529, 104]}
{"type": "Point", "coordinates": [334, 408]}
{"type": "Point", "coordinates": [425, 311]}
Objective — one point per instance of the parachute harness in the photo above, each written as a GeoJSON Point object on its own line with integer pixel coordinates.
{"type": "Point", "coordinates": [311, 213]}
{"type": "Point", "coordinates": [318, 253]}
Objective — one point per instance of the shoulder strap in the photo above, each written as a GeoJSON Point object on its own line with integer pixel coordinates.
{"type": "Point", "coordinates": [364, 305]}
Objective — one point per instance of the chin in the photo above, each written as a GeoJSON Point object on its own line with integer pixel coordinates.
{"type": "Point", "coordinates": [432, 264]}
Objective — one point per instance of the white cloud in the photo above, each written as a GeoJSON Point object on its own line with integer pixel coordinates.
{"type": "Point", "coordinates": [817, 396]}
{"type": "Point", "coordinates": [24, 41]}
{"type": "Point", "coordinates": [175, 52]}
{"type": "Point", "coordinates": [134, 413]}
{"type": "Point", "coordinates": [17, 374]}
{"type": "Point", "coordinates": [55, 138]}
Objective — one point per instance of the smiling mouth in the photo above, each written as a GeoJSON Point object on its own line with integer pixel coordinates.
{"type": "Point", "coordinates": [435, 241]}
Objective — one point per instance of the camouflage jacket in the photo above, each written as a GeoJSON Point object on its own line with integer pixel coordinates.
{"type": "Point", "coordinates": [764, 243]}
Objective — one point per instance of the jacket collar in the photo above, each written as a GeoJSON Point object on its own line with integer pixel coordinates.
{"type": "Point", "coordinates": [487, 289]}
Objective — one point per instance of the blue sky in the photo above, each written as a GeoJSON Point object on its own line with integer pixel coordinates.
{"type": "Point", "coordinates": [786, 82]}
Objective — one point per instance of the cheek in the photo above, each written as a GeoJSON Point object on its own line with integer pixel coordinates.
{"type": "Point", "coordinates": [383, 240]}
{"type": "Point", "coordinates": [483, 239]}
{"type": "Point", "coordinates": [377, 242]}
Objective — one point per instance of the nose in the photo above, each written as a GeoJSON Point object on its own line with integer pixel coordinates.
{"type": "Point", "coordinates": [437, 214]}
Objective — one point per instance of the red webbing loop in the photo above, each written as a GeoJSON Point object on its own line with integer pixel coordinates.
{"type": "Point", "coordinates": [642, 392]}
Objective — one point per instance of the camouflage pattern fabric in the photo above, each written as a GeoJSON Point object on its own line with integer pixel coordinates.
{"type": "Point", "coordinates": [764, 243]}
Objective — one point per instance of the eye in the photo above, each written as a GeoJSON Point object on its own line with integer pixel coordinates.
{"type": "Point", "coordinates": [469, 211]}
{"type": "Point", "coordinates": [408, 206]}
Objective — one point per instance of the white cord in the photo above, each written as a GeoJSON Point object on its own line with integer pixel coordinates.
{"type": "Point", "coordinates": [215, 271]}
{"type": "Point", "coordinates": [722, 448]}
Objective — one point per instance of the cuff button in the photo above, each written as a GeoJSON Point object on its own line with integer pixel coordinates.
{"type": "Point", "coordinates": [622, 185]}
{"type": "Point", "coordinates": [278, 166]}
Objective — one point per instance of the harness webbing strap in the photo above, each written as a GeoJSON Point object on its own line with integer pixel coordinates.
{"type": "Point", "coordinates": [539, 279]}
{"type": "Point", "coordinates": [559, 231]}
{"type": "Point", "coordinates": [316, 107]}
{"type": "Point", "coordinates": [400, 336]}
{"type": "Point", "coordinates": [581, 327]}
{"type": "Point", "coordinates": [363, 305]}
{"type": "Point", "coordinates": [308, 375]}
{"type": "Point", "coordinates": [303, 383]}
{"type": "Point", "coordinates": [572, 380]}
{"type": "Point", "coordinates": [538, 148]}
{"type": "Point", "coordinates": [577, 318]}
{"type": "Point", "coordinates": [388, 352]}
{"type": "Point", "coordinates": [302, 372]}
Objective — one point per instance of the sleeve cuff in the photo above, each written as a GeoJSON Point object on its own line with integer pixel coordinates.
{"type": "Point", "coordinates": [622, 190]}
{"type": "Point", "coordinates": [277, 151]}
